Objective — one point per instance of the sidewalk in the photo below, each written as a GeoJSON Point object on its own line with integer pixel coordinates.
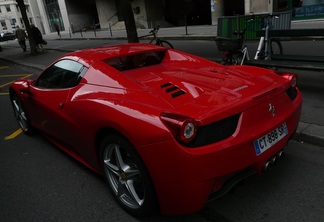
{"type": "Point", "coordinates": [203, 32]}
{"type": "Point", "coordinates": [306, 132]}
{"type": "Point", "coordinates": [207, 32]}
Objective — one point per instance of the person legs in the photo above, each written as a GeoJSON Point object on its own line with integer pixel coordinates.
{"type": "Point", "coordinates": [23, 45]}
{"type": "Point", "coordinates": [40, 47]}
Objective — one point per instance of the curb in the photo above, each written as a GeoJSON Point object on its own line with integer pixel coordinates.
{"type": "Point", "coordinates": [195, 37]}
{"type": "Point", "coordinates": [310, 133]}
{"type": "Point", "coordinates": [184, 37]}
{"type": "Point", "coordinates": [21, 62]}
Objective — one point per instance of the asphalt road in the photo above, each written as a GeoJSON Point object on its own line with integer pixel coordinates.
{"type": "Point", "coordinates": [38, 182]}
{"type": "Point", "coordinates": [41, 183]}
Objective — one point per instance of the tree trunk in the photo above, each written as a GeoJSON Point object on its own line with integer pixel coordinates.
{"type": "Point", "coordinates": [22, 7]}
{"type": "Point", "coordinates": [129, 20]}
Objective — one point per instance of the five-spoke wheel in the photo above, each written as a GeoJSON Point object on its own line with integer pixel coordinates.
{"type": "Point", "coordinates": [127, 176]}
{"type": "Point", "coordinates": [20, 114]}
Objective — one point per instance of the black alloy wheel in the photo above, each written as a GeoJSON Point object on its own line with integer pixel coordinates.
{"type": "Point", "coordinates": [21, 115]}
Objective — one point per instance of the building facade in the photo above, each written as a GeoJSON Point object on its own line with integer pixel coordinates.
{"type": "Point", "coordinates": [77, 15]}
{"type": "Point", "coordinates": [10, 15]}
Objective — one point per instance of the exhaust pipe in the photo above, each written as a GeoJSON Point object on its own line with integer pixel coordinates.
{"type": "Point", "coordinates": [267, 166]}
{"type": "Point", "coordinates": [273, 161]}
{"type": "Point", "coordinates": [281, 155]}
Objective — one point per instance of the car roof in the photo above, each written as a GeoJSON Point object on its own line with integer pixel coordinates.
{"type": "Point", "coordinates": [92, 55]}
{"type": "Point", "coordinates": [6, 33]}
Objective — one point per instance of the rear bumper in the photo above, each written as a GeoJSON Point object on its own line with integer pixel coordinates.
{"type": "Point", "coordinates": [186, 178]}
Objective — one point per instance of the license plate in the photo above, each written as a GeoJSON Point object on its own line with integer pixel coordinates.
{"type": "Point", "coordinates": [267, 141]}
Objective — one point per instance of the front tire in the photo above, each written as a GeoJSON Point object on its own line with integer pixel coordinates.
{"type": "Point", "coordinates": [21, 115]}
{"type": "Point", "coordinates": [127, 176]}
{"type": "Point", "coordinates": [164, 43]}
{"type": "Point", "coordinates": [276, 47]}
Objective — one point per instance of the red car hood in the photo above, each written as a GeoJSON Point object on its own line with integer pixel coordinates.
{"type": "Point", "coordinates": [204, 88]}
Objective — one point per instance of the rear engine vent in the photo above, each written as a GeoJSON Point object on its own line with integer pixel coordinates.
{"type": "Point", "coordinates": [292, 93]}
{"type": "Point", "coordinates": [215, 132]}
{"type": "Point", "coordinates": [173, 90]}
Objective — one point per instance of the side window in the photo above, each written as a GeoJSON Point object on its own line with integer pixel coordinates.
{"type": "Point", "coordinates": [63, 74]}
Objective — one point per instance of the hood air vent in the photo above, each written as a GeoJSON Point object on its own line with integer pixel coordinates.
{"type": "Point", "coordinates": [173, 90]}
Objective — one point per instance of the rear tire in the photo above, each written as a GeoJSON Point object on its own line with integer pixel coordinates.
{"type": "Point", "coordinates": [127, 176]}
{"type": "Point", "coordinates": [233, 58]}
{"type": "Point", "coordinates": [238, 58]}
{"type": "Point", "coordinates": [228, 58]}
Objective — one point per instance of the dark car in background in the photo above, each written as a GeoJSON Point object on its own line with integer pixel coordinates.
{"type": "Point", "coordinates": [5, 36]}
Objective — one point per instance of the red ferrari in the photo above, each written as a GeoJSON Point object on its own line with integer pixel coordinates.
{"type": "Point", "coordinates": [169, 131]}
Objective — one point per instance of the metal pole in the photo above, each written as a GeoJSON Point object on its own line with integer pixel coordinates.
{"type": "Point", "coordinates": [266, 40]}
{"type": "Point", "coordinates": [110, 30]}
{"type": "Point", "coordinates": [186, 25]}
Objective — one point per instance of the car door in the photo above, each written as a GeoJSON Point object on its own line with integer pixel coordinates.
{"type": "Point", "coordinates": [49, 94]}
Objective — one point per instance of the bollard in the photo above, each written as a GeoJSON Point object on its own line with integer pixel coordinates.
{"type": "Point", "coordinates": [110, 30]}
{"type": "Point", "coordinates": [186, 25]}
{"type": "Point", "coordinates": [81, 32]}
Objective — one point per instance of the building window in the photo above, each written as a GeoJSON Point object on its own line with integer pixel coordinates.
{"type": "Point", "coordinates": [3, 24]}
{"type": "Point", "coordinates": [13, 22]}
{"type": "Point", "coordinates": [54, 14]}
{"type": "Point", "coordinates": [257, 6]}
{"type": "Point", "coordinates": [8, 8]}
{"type": "Point", "coordinates": [22, 23]}
{"type": "Point", "coordinates": [281, 6]}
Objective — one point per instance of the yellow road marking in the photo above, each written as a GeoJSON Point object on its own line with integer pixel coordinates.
{"type": "Point", "coordinates": [9, 75]}
{"type": "Point", "coordinates": [4, 67]}
{"type": "Point", "coordinates": [8, 83]}
{"type": "Point", "coordinates": [14, 134]}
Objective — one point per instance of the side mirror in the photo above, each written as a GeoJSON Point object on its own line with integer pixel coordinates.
{"type": "Point", "coordinates": [25, 86]}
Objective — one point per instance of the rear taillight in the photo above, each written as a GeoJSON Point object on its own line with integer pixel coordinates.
{"type": "Point", "coordinates": [293, 79]}
{"type": "Point", "coordinates": [183, 128]}
{"type": "Point", "coordinates": [292, 89]}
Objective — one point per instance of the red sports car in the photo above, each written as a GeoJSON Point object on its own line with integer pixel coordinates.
{"type": "Point", "coordinates": [169, 131]}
